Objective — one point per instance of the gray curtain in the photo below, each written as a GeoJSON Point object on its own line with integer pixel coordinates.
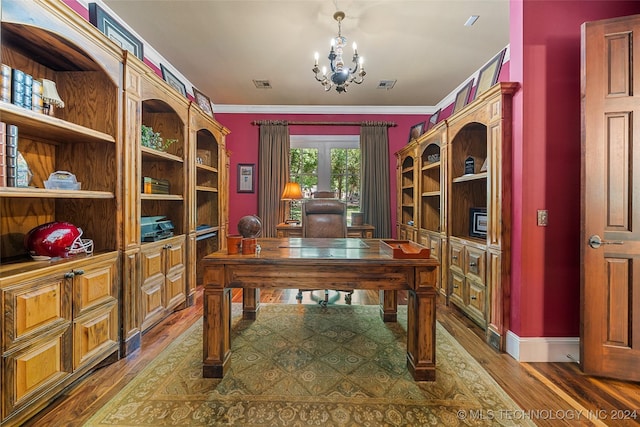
{"type": "Point", "coordinates": [375, 186]}
{"type": "Point", "coordinates": [273, 174]}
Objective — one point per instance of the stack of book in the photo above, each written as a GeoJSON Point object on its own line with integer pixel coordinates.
{"type": "Point", "coordinates": [20, 88]}
{"type": "Point", "coordinates": [8, 154]}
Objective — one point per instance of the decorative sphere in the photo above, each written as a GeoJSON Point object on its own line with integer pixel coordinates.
{"type": "Point", "coordinates": [250, 226]}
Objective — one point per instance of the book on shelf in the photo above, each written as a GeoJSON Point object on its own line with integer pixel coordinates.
{"type": "Point", "coordinates": [5, 83]}
{"type": "Point", "coordinates": [11, 154]}
{"type": "Point", "coordinates": [36, 96]}
{"type": "Point", "coordinates": [28, 91]}
{"type": "Point", "coordinates": [3, 166]}
{"type": "Point", "coordinates": [17, 87]}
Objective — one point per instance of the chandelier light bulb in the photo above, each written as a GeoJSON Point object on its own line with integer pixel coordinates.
{"type": "Point", "coordinates": [355, 48]}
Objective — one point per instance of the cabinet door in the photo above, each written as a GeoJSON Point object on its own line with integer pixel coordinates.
{"type": "Point", "coordinates": [152, 287]}
{"type": "Point", "coordinates": [95, 326]}
{"type": "Point", "coordinates": [93, 287]}
{"type": "Point", "coordinates": [30, 371]}
{"type": "Point", "coordinates": [95, 335]}
{"type": "Point", "coordinates": [35, 307]}
{"type": "Point", "coordinates": [175, 276]}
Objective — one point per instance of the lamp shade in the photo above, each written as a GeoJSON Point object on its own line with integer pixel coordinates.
{"type": "Point", "coordinates": [50, 93]}
{"type": "Point", "coordinates": [292, 191]}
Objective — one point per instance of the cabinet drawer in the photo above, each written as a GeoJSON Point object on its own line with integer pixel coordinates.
{"type": "Point", "coordinates": [95, 335]}
{"type": "Point", "coordinates": [423, 238]}
{"type": "Point", "coordinates": [476, 264]}
{"type": "Point", "coordinates": [457, 282]}
{"type": "Point", "coordinates": [35, 307]}
{"type": "Point", "coordinates": [477, 302]}
{"type": "Point", "coordinates": [477, 296]}
{"type": "Point", "coordinates": [435, 244]}
{"type": "Point", "coordinates": [456, 257]}
{"type": "Point", "coordinates": [34, 369]}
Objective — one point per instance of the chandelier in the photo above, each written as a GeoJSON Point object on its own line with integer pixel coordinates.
{"type": "Point", "coordinates": [340, 76]}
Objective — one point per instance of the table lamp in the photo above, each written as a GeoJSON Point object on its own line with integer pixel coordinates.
{"type": "Point", "coordinates": [292, 191]}
{"type": "Point", "coordinates": [50, 97]}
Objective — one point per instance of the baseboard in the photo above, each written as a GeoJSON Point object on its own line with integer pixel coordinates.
{"type": "Point", "coordinates": [543, 349]}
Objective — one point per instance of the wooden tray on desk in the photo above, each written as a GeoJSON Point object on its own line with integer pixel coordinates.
{"type": "Point", "coordinates": [404, 249]}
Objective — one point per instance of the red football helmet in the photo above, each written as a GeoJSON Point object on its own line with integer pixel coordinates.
{"type": "Point", "coordinates": [56, 240]}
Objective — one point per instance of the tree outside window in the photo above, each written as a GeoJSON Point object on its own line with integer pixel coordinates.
{"type": "Point", "coordinates": [326, 163]}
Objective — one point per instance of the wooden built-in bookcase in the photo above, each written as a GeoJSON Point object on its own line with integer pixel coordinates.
{"type": "Point", "coordinates": [209, 173]}
{"type": "Point", "coordinates": [60, 318]}
{"type": "Point", "coordinates": [459, 168]}
{"type": "Point", "coordinates": [64, 317]}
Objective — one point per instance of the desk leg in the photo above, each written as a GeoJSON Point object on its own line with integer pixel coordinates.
{"type": "Point", "coordinates": [250, 303]}
{"type": "Point", "coordinates": [421, 328]}
{"type": "Point", "coordinates": [389, 306]}
{"type": "Point", "coordinates": [216, 347]}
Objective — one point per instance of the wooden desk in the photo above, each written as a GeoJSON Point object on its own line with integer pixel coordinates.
{"type": "Point", "coordinates": [364, 231]}
{"type": "Point", "coordinates": [302, 264]}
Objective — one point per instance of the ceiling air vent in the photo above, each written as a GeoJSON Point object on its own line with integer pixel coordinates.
{"type": "Point", "coordinates": [262, 84]}
{"type": "Point", "coordinates": [386, 84]}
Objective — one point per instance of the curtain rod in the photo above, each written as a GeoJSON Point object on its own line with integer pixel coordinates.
{"type": "Point", "coordinates": [295, 123]}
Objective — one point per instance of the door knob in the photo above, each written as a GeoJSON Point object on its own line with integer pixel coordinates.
{"type": "Point", "coordinates": [595, 242]}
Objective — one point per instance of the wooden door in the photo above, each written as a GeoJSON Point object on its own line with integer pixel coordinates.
{"type": "Point", "coordinates": [610, 226]}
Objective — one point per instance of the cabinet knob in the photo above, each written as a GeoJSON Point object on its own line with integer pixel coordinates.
{"type": "Point", "coordinates": [69, 275]}
{"type": "Point", "coordinates": [472, 264]}
{"type": "Point", "coordinates": [454, 257]}
{"type": "Point", "coordinates": [78, 272]}
{"type": "Point", "coordinates": [474, 297]}
{"type": "Point", "coordinates": [455, 286]}
{"type": "Point", "coordinates": [167, 246]}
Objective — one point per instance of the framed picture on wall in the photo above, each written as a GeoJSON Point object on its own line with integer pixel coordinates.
{"type": "Point", "coordinates": [478, 222]}
{"type": "Point", "coordinates": [203, 102]}
{"type": "Point", "coordinates": [114, 31]}
{"type": "Point", "coordinates": [433, 120]}
{"type": "Point", "coordinates": [416, 131]}
{"type": "Point", "coordinates": [462, 97]}
{"type": "Point", "coordinates": [246, 178]}
{"type": "Point", "coordinates": [489, 74]}
{"type": "Point", "coordinates": [173, 81]}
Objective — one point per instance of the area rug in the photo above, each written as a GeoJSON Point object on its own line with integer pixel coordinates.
{"type": "Point", "coordinates": [305, 365]}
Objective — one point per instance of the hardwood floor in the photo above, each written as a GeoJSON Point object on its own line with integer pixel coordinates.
{"type": "Point", "coordinates": [551, 394]}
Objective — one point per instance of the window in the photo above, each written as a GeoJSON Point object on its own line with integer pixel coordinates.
{"type": "Point", "coordinates": [326, 163]}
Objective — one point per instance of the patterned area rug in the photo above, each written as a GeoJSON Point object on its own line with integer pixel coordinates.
{"type": "Point", "coordinates": [304, 365]}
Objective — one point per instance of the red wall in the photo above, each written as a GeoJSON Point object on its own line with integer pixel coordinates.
{"type": "Point", "coordinates": [545, 58]}
{"type": "Point", "coordinates": [243, 144]}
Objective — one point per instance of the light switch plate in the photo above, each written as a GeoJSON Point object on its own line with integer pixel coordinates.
{"type": "Point", "coordinates": [543, 217]}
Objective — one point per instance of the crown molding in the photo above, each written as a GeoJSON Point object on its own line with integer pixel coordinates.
{"type": "Point", "coordinates": [324, 109]}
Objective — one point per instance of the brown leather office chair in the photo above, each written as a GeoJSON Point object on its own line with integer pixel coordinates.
{"type": "Point", "coordinates": [324, 195]}
{"type": "Point", "coordinates": [324, 218]}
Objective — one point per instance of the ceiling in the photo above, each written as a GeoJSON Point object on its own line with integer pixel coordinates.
{"type": "Point", "coordinates": [221, 46]}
